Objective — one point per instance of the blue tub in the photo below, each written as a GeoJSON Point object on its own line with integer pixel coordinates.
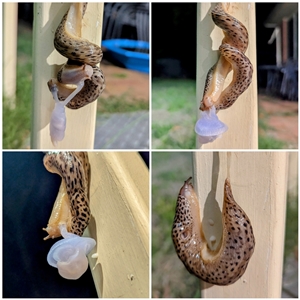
{"type": "Point", "coordinates": [130, 59]}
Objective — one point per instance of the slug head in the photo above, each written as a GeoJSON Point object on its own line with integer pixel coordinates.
{"type": "Point", "coordinates": [209, 127]}
{"type": "Point", "coordinates": [69, 254]}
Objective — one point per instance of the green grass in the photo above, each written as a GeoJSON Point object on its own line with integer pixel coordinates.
{"type": "Point", "coordinates": [121, 103]}
{"type": "Point", "coordinates": [173, 104]}
{"type": "Point", "coordinates": [291, 227]}
{"type": "Point", "coordinates": [173, 94]}
{"type": "Point", "coordinates": [265, 141]}
{"type": "Point", "coordinates": [170, 279]}
{"type": "Point", "coordinates": [16, 122]}
{"type": "Point", "coordinates": [159, 130]}
{"type": "Point", "coordinates": [120, 75]}
{"type": "Point", "coordinates": [173, 100]}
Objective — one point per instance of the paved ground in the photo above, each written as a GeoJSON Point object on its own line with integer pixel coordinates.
{"type": "Point", "coordinates": [123, 130]}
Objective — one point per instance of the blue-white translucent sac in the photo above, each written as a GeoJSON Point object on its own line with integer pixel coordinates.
{"type": "Point", "coordinates": [69, 254]}
{"type": "Point", "coordinates": [209, 127]}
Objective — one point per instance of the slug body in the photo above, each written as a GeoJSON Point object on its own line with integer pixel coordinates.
{"type": "Point", "coordinates": [72, 203]}
{"type": "Point", "coordinates": [228, 262]}
{"type": "Point", "coordinates": [70, 214]}
{"type": "Point", "coordinates": [80, 81]}
{"type": "Point", "coordinates": [232, 57]}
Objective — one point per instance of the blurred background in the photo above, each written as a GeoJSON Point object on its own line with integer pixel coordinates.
{"type": "Point", "coordinates": [170, 279]}
{"type": "Point", "coordinates": [123, 108]}
{"type": "Point", "coordinates": [174, 74]}
{"type": "Point", "coordinates": [29, 192]}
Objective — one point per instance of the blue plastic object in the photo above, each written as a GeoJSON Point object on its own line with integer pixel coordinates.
{"type": "Point", "coordinates": [130, 59]}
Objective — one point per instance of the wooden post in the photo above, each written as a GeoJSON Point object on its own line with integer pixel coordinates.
{"type": "Point", "coordinates": [285, 40]}
{"type": "Point", "coordinates": [119, 194]}
{"type": "Point", "coordinates": [10, 28]}
{"type": "Point", "coordinates": [259, 186]}
{"type": "Point", "coordinates": [241, 118]}
{"type": "Point", "coordinates": [47, 61]}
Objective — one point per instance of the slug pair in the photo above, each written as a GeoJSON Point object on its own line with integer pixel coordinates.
{"type": "Point", "coordinates": [71, 213]}
{"type": "Point", "coordinates": [232, 57]}
{"type": "Point", "coordinates": [228, 262]}
{"type": "Point", "coordinates": [80, 81]}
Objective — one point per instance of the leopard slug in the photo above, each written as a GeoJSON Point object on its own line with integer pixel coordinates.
{"type": "Point", "coordinates": [232, 57]}
{"type": "Point", "coordinates": [80, 81]}
{"type": "Point", "coordinates": [228, 262]}
{"type": "Point", "coordinates": [70, 214]}
{"type": "Point", "coordinates": [72, 204]}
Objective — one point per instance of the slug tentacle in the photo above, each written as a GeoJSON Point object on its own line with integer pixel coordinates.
{"type": "Point", "coordinates": [232, 57]}
{"type": "Point", "coordinates": [228, 262]}
{"type": "Point", "coordinates": [74, 168]}
{"type": "Point", "coordinates": [71, 213]}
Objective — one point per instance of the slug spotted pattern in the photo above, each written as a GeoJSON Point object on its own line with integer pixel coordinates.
{"type": "Point", "coordinates": [232, 57]}
{"type": "Point", "coordinates": [80, 81]}
{"type": "Point", "coordinates": [72, 205]}
{"type": "Point", "coordinates": [229, 261]}
{"type": "Point", "coordinates": [70, 214]}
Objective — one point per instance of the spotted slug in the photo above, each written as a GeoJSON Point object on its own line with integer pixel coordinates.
{"type": "Point", "coordinates": [80, 81]}
{"type": "Point", "coordinates": [72, 203]}
{"type": "Point", "coordinates": [232, 57]}
{"type": "Point", "coordinates": [229, 261]}
{"type": "Point", "coordinates": [70, 214]}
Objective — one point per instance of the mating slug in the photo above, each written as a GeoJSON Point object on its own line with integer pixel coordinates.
{"type": "Point", "coordinates": [69, 254]}
{"type": "Point", "coordinates": [232, 57]}
{"type": "Point", "coordinates": [228, 262]}
{"type": "Point", "coordinates": [80, 81]}
{"type": "Point", "coordinates": [71, 213]}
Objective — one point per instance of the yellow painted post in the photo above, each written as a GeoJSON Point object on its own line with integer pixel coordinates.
{"type": "Point", "coordinates": [259, 186]}
{"type": "Point", "coordinates": [119, 196]}
{"type": "Point", "coordinates": [47, 61]}
{"type": "Point", "coordinates": [241, 118]}
{"type": "Point", "coordinates": [10, 29]}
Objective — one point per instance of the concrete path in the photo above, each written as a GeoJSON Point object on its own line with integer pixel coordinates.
{"type": "Point", "coordinates": [122, 131]}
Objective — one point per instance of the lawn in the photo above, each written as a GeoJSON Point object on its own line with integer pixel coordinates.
{"type": "Point", "coordinates": [173, 113]}
{"type": "Point", "coordinates": [17, 122]}
{"type": "Point", "coordinates": [170, 279]}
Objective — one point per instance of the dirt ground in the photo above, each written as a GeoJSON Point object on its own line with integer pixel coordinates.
{"type": "Point", "coordinates": [281, 118]}
{"type": "Point", "coordinates": [121, 81]}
